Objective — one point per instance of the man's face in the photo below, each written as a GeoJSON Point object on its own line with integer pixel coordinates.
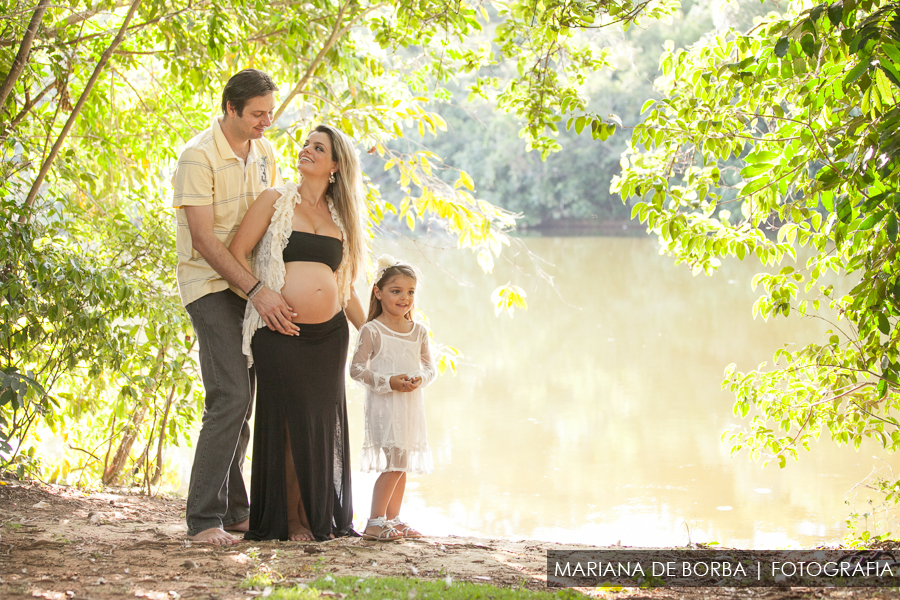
{"type": "Point", "coordinates": [256, 117]}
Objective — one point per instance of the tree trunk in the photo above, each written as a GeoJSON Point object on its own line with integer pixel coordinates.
{"type": "Point", "coordinates": [111, 476]}
{"type": "Point", "coordinates": [24, 50]}
{"type": "Point", "coordinates": [114, 470]}
{"type": "Point", "coordinates": [45, 168]}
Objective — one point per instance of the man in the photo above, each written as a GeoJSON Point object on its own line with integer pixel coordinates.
{"type": "Point", "coordinates": [219, 174]}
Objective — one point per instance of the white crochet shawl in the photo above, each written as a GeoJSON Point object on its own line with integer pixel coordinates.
{"type": "Point", "coordinates": [268, 263]}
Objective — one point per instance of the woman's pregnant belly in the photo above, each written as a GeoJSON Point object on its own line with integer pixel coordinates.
{"type": "Point", "coordinates": [311, 290]}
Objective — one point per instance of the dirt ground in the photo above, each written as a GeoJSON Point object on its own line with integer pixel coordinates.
{"type": "Point", "coordinates": [60, 543]}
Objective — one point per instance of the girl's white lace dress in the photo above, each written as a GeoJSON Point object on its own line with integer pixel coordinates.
{"type": "Point", "coordinates": [395, 421]}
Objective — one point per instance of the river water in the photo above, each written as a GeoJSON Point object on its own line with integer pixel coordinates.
{"type": "Point", "coordinates": [595, 416]}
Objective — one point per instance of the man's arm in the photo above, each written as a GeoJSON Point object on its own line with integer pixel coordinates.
{"type": "Point", "coordinates": [271, 306]}
{"type": "Point", "coordinates": [200, 221]}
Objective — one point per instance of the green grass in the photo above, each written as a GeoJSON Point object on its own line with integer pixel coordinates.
{"type": "Point", "coordinates": [404, 588]}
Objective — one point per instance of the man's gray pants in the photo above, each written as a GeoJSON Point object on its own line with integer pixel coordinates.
{"type": "Point", "coordinates": [217, 496]}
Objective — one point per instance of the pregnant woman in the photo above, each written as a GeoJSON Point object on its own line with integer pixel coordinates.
{"type": "Point", "coordinates": [309, 245]}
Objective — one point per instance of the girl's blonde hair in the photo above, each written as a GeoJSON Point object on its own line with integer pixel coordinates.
{"type": "Point", "coordinates": [388, 268]}
{"type": "Point", "coordinates": [347, 195]}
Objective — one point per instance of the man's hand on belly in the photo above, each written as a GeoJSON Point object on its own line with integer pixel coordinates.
{"type": "Point", "coordinates": [275, 312]}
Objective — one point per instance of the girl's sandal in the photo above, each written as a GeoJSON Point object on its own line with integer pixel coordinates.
{"type": "Point", "coordinates": [387, 533]}
{"type": "Point", "coordinates": [404, 529]}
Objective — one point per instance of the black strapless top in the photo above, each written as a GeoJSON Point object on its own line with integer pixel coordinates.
{"type": "Point", "coordinates": [311, 247]}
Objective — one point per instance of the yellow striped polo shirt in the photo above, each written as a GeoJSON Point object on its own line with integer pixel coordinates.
{"type": "Point", "coordinates": [208, 172]}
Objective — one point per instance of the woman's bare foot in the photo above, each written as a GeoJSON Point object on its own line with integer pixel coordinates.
{"type": "Point", "coordinates": [216, 536]}
{"type": "Point", "coordinates": [298, 532]}
{"type": "Point", "coordinates": [242, 526]}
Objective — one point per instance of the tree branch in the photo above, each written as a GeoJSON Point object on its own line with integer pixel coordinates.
{"type": "Point", "coordinates": [336, 32]}
{"type": "Point", "coordinates": [24, 50]}
{"type": "Point", "coordinates": [45, 168]}
{"type": "Point", "coordinates": [132, 28]}
{"type": "Point", "coordinates": [27, 108]}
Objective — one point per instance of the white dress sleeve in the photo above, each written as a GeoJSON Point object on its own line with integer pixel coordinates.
{"type": "Point", "coordinates": [367, 346]}
{"type": "Point", "coordinates": [428, 372]}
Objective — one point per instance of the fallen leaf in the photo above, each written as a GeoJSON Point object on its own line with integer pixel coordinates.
{"type": "Point", "coordinates": [49, 595]}
{"type": "Point", "coordinates": [152, 595]}
{"type": "Point", "coordinates": [41, 504]}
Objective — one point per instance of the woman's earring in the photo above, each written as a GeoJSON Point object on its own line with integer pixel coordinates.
{"type": "Point", "coordinates": [331, 177]}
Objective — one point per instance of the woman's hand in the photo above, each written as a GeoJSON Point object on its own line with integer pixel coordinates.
{"type": "Point", "coordinates": [405, 383]}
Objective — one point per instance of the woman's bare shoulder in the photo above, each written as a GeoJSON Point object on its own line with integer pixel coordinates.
{"type": "Point", "coordinates": [270, 195]}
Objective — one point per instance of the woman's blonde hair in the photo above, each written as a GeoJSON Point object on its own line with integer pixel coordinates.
{"type": "Point", "coordinates": [347, 195]}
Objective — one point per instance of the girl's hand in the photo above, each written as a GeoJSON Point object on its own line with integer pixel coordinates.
{"type": "Point", "coordinates": [403, 383]}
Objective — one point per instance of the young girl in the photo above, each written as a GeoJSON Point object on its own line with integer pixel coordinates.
{"type": "Point", "coordinates": [393, 361]}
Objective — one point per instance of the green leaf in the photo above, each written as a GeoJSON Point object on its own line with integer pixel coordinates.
{"type": "Point", "coordinates": [579, 124]}
{"type": "Point", "coordinates": [857, 71]}
{"type": "Point", "coordinates": [815, 13]}
{"type": "Point", "coordinates": [891, 227]}
{"type": "Point", "coordinates": [761, 156]}
{"type": "Point", "coordinates": [845, 210]}
{"type": "Point", "coordinates": [835, 12]}
{"type": "Point", "coordinates": [781, 47]}
{"type": "Point", "coordinates": [808, 44]}
{"type": "Point", "coordinates": [884, 325]}
{"type": "Point", "coordinates": [754, 186]}
{"type": "Point", "coordinates": [872, 220]}
{"type": "Point", "coordinates": [754, 170]}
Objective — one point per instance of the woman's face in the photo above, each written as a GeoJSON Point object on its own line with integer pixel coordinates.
{"type": "Point", "coordinates": [315, 160]}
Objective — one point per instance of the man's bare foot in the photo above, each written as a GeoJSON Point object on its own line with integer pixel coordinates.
{"type": "Point", "coordinates": [216, 536]}
{"type": "Point", "coordinates": [299, 533]}
{"type": "Point", "coordinates": [242, 526]}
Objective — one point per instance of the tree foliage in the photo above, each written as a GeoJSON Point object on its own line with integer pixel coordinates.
{"type": "Point", "coordinates": [97, 99]}
{"type": "Point", "coordinates": [566, 189]}
{"type": "Point", "coordinates": [781, 139]}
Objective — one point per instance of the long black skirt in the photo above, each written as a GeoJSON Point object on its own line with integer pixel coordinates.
{"type": "Point", "coordinates": [300, 382]}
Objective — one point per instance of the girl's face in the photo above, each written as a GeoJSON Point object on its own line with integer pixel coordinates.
{"type": "Point", "coordinates": [397, 295]}
{"type": "Point", "coordinates": [315, 157]}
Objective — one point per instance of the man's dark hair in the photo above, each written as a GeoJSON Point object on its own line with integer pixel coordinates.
{"type": "Point", "coordinates": [243, 86]}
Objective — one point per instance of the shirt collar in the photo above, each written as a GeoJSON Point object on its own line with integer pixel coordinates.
{"type": "Point", "coordinates": [222, 145]}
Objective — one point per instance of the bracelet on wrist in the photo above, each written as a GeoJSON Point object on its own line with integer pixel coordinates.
{"type": "Point", "coordinates": [254, 290]}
